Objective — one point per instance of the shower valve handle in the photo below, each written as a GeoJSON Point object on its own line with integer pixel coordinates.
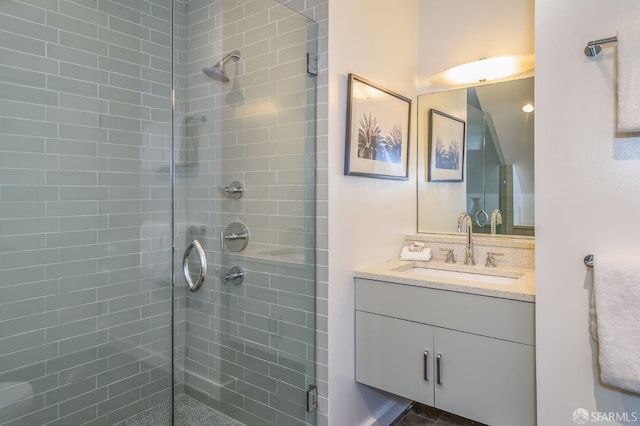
{"type": "Point", "coordinates": [236, 236]}
{"type": "Point", "coordinates": [235, 275]}
{"type": "Point", "coordinates": [234, 190]}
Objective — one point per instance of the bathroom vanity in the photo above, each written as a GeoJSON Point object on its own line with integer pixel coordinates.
{"type": "Point", "coordinates": [456, 337]}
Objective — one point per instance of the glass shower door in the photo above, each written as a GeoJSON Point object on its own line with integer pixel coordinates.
{"type": "Point", "coordinates": [245, 133]}
{"type": "Point", "coordinates": [85, 212]}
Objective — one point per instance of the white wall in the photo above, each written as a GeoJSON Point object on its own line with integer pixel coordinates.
{"type": "Point", "coordinates": [587, 197]}
{"type": "Point", "coordinates": [456, 32]}
{"type": "Point", "coordinates": [368, 218]}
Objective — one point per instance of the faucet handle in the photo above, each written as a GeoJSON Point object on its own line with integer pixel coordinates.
{"type": "Point", "coordinates": [496, 219]}
{"type": "Point", "coordinates": [450, 257]}
{"type": "Point", "coordinates": [490, 262]}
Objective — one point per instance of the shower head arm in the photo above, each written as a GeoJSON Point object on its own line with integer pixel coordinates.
{"type": "Point", "coordinates": [235, 55]}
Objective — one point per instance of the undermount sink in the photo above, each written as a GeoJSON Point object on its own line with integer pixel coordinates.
{"type": "Point", "coordinates": [468, 276]}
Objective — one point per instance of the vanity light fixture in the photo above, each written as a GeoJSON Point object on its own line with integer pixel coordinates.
{"type": "Point", "coordinates": [484, 70]}
{"type": "Point", "coordinates": [527, 107]}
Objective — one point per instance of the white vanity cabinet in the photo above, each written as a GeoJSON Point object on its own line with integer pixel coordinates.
{"type": "Point", "coordinates": [466, 354]}
{"type": "Point", "coordinates": [390, 353]}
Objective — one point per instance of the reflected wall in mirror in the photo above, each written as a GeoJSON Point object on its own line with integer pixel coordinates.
{"type": "Point", "coordinates": [499, 166]}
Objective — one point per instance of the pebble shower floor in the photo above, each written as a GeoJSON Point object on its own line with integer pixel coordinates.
{"type": "Point", "coordinates": [188, 412]}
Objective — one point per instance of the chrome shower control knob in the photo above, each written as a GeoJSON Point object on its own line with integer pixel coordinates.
{"type": "Point", "coordinates": [235, 275]}
{"type": "Point", "coordinates": [235, 237]}
{"type": "Point", "coordinates": [234, 190]}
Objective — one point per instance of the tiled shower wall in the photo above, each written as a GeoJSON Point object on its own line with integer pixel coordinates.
{"type": "Point", "coordinates": [84, 204]}
{"type": "Point", "coordinates": [250, 349]}
{"type": "Point", "coordinates": [84, 207]}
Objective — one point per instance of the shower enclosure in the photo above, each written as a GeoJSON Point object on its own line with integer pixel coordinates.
{"type": "Point", "coordinates": [119, 157]}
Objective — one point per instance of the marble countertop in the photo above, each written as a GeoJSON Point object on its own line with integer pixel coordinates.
{"type": "Point", "coordinates": [399, 271]}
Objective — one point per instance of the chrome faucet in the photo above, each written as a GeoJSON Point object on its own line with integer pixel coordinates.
{"type": "Point", "coordinates": [465, 219]}
{"type": "Point", "coordinates": [496, 219]}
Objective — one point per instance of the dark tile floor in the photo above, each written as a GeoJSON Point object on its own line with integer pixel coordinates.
{"type": "Point", "coordinates": [422, 415]}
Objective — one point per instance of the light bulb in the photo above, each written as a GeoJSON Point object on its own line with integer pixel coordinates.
{"type": "Point", "coordinates": [527, 107]}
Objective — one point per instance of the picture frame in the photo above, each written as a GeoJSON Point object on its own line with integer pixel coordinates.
{"type": "Point", "coordinates": [446, 147]}
{"type": "Point", "coordinates": [378, 130]}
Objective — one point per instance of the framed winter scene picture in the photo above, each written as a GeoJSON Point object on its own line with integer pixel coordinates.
{"type": "Point", "coordinates": [446, 147]}
{"type": "Point", "coordinates": [378, 123]}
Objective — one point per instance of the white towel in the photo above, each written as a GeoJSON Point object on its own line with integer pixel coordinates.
{"type": "Point", "coordinates": [410, 253]}
{"type": "Point", "coordinates": [593, 316]}
{"type": "Point", "coordinates": [629, 79]}
{"type": "Point", "coordinates": [616, 281]}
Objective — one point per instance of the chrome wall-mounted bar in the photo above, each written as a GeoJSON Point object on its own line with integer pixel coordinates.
{"type": "Point", "coordinates": [594, 47]}
{"type": "Point", "coordinates": [588, 260]}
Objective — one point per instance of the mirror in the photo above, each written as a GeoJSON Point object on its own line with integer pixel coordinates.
{"type": "Point", "coordinates": [498, 169]}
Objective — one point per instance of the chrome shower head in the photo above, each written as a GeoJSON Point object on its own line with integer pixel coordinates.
{"type": "Point", "coordinates": [217, 72]}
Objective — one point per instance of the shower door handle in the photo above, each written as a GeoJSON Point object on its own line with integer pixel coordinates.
{"type": "Point", "coordinates": [194, 286]}
{"type": "Point", "coordinates": [485, 218]}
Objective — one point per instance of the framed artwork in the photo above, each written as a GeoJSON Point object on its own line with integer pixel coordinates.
{"type": "Point", "coordinates": [378, 123]}
{"type": "Point", "coordinates": [446, 147]}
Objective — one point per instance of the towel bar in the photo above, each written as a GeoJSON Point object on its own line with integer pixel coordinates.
{"type": "Point", "coordinates": [588, 260]}
{"type": "Point", "coordinates": [593, 47]}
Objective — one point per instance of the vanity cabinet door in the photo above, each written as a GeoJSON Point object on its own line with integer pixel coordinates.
{"type": "Point", "coordinates": [395, 355]}
{"type": "Point", "coordinates": [485, 379]}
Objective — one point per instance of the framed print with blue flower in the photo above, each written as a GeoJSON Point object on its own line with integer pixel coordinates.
{"type": "Point", "coordinates": [378, 123]}
{"type": "Point", "coordinates": [446, 147]}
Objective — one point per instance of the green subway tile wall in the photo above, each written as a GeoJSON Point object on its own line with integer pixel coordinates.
{"type": "Point", "coordinates": [85, 207]}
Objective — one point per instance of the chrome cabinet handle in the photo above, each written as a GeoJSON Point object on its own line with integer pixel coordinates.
{"type": "Point", "coordinates": [194, 244]}
{"type": "Point", "coordinates": [438, 369]}
{"type": "Point", "coordinates": [426, 366]}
